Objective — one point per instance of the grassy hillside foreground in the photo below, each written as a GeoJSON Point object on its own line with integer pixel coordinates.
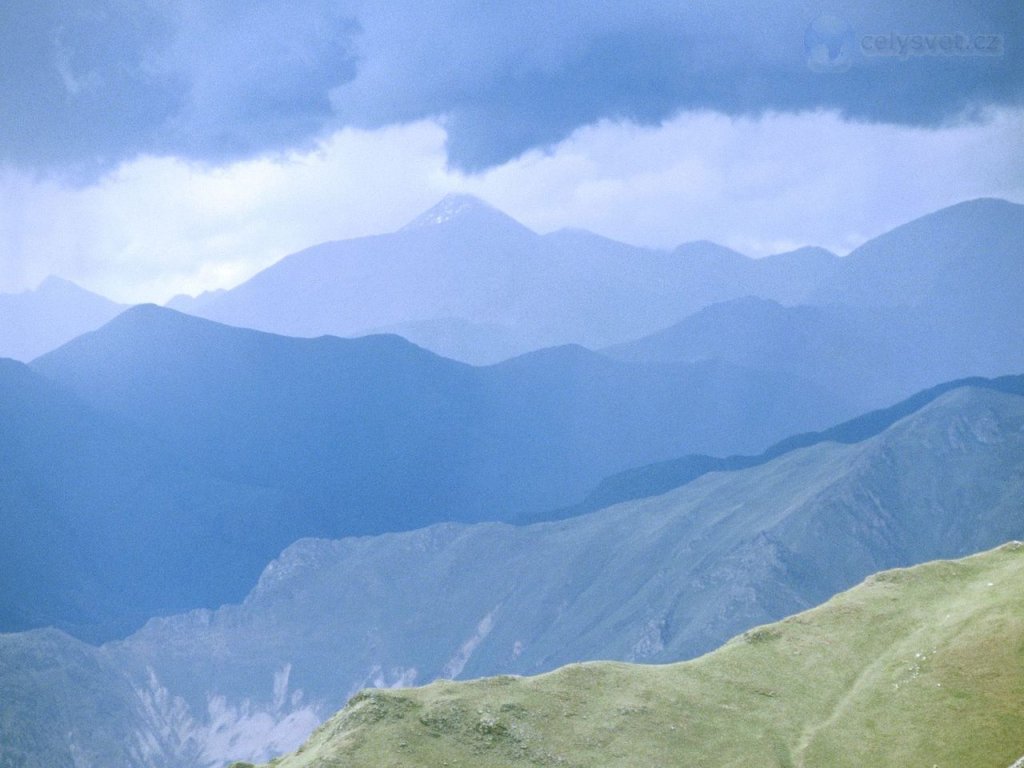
{"type": "Point", "coordinates": [915, 667]}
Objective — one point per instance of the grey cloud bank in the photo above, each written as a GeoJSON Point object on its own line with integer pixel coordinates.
{"type": "Point", "coordinates": [84, 86]}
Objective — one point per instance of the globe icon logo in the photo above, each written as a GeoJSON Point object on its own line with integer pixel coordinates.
{"type": "Point", "coordinates": [828, 43]}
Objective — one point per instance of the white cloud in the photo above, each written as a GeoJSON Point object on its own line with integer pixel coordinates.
{"type": "Point", "coordinates": [758, 185]}
{"type": "Point", "coordinates": [158, 226]}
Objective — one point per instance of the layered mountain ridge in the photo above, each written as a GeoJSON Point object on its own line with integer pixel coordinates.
{"type": "Point", "coordinates": [468, 281]}
{"type": "Point", "coordinates": [153, 467]}
{"type": "Point", "coordinates": [255, 440]}
{"type": "Point", "coordinates": [653, 580]}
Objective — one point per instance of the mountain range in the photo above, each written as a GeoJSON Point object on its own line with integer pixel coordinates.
{"type": "Point", "coordinates": [180, 454]}
{"type": "Point", "coordinates": [933, 300]}
{"type": "Point", "coordinates": [212, 448]}
{"type": "Point", "coordinates": [643, 467]}
{"type": "Point", "coordinates": [469, 282]}
{"type": "Point", "coordinates": [653, 580]}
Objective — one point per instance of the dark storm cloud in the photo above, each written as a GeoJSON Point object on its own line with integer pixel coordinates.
{"type": "Point", "coordinates": [77, 84]}
{"type": "Point", "coordinates": [85, 84]}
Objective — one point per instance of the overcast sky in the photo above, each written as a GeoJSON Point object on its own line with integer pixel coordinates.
{"type": "Point", "coordinates": [152, 147]}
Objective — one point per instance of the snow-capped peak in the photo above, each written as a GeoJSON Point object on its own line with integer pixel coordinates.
{"type": "Point", "coordinates": [451, 207]}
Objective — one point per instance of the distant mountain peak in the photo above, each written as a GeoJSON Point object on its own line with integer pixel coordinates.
{"type": "Point", "coordinates": [450, 207]}
{"type": "Point", "coordinates": [459, 208]}
{"type": "Point", "coordinates": [706, 252]}
{"type": "Point", "coordinates": [57, 288]}
{"type": "Point", "coordinates": [806, 253]}
{"type": "Point", "coordinates": [54, 284]}
{"type": "Point", "coordinates": [51, 281]}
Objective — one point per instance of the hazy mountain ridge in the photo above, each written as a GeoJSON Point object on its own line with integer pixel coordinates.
{"type": "Point", "coordinates": [65, 703]}
{"type": "Point", "coordinates": [973, 244]}
{"type": "Point", "coordinates": [97, 514]}
{"type": "Point", "coordinates": [186, 380]}
{"type": "Point", "coordinates": [911, 667]}
{"type": "Point", "coordinates": [34, 322]}
{"type": "Point", "coordinates": [873, 350]}
{"type": "Point", "coordinates": [655, 479]}
{"type": "Point", "coordinates": [332, 437]}
{"type": "Point", "coordinates": [466, 279]}
{"type": "Point", "coordinates": [654, 580]}
{"type": "Point", "coordinates": [470, 282]}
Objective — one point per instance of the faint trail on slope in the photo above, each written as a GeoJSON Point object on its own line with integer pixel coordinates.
{"type": "Point", "coordinates": [807, 737]}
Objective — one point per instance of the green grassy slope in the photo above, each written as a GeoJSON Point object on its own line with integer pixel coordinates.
{"type": "Point", "coordinates": [915, 667]}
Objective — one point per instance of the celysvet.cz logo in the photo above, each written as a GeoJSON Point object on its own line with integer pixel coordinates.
{"type": "Point", "coordinates": [951, 44]}
{"type": "Point", "coordinates": [832, 45]}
